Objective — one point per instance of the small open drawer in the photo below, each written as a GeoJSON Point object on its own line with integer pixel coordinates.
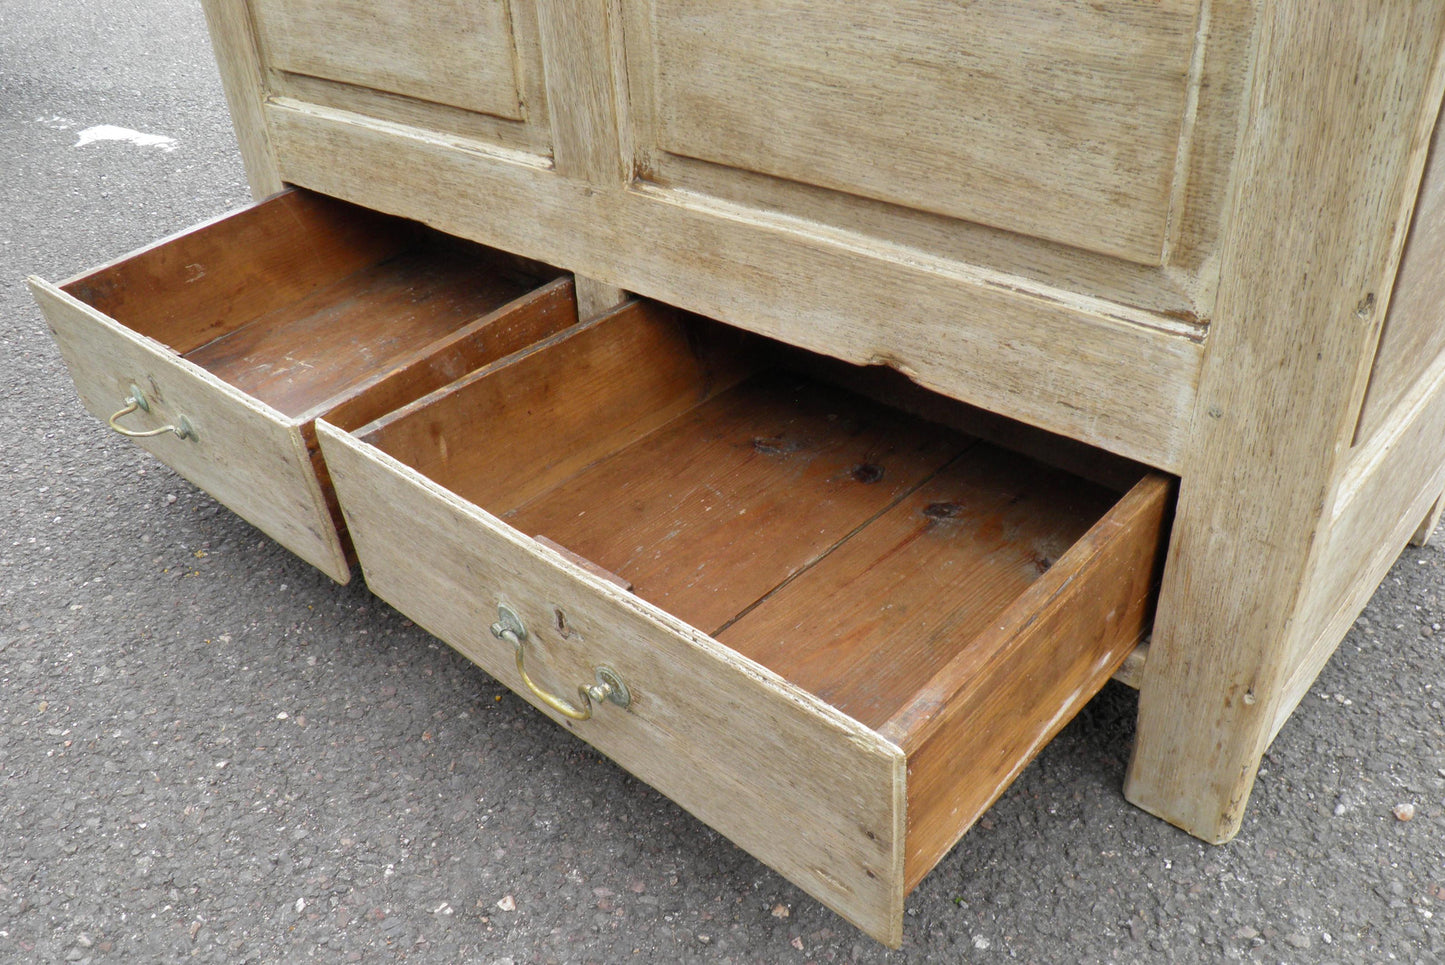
{"type": "Point", "coordinates": [216, 349]}
{"type": "Point", "coordinates": [829, 628]}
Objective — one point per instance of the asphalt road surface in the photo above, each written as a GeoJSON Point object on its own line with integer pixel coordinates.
{"type": "Point", "coordinates": [209, 751]}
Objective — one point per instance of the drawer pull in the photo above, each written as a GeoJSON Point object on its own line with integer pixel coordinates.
{"type": "Point", "coordinates": [137, 401]}
{"type": "Point", "coordinates": [609, 685]}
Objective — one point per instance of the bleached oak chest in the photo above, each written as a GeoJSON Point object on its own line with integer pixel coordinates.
{"type": "Point", "coordinates": [942, 306]}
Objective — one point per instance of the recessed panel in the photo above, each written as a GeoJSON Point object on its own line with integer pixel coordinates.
{"type": "Point", "coordinates": [455, 52]}
{"type": "Point", "coordinates": [1054, 119]}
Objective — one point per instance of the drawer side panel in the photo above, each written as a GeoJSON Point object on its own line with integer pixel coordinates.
{"type": "Point", "coordinates": [803, 788]}
{"type": "Point", "coordinates": [247, 455]}
{"type": "Point", "coordinates": [975, 727]}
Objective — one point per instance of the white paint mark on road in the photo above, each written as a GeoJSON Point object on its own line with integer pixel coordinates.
{"type": "Point", "coordinates": [109, 132]}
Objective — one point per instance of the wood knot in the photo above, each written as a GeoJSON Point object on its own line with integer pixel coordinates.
{"type": "Point", "coordinates": [867, 473]}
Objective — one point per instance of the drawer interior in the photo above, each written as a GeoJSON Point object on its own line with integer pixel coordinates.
{"type": "Point", "coordinates": [303, 301]}
{"type": "Point", "coordinates": [854, 548]}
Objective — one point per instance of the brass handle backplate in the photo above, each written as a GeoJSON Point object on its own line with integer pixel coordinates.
{"type": "Point", "coordinates": [137, 401]}
{"type": "Point", "coordinates": [609, 685]}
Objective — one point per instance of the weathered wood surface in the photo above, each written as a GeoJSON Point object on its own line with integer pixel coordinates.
{"type": "Point", "coordinates": [441, 120]}
{"type": "Point", "coordinates": [233, 38]}
{"type": "Point", "coordinates": [1425, 532]}
{"type": "Point", "coordinates": [581, 51]}
{"type": "Point", "coordinates": [596, 298]}
{"type": "Point", "coordinates": [1413, 336]}
{"type": "Point", "coordinates": [248, 455]}
{"type": "Point", "coordinates": [708, 514]}
{"type": "Point", "coordinates": [970, 730]}
{"type": "Point", "coordinates": [322, 346]}
{"type": "Point", "coordinates": [958, 599]}
{"type": "Point", "coordinates": [251, 324]}
{"type": "Point", "coordinates": [1126, 383]}
{"type": "Point", "coordinates": [457, 52]}
{"type": "Point", "coordinates": [1388, 486]}
{"type": "Point", "coordinates": [808, 791]}
{"type": "Point", "coordinates": [1300, 139]}
{"type": "Point", "coordinates": [872, 623]}
{"type": "Point", "coordinates": [1131, 671]}
{"type": "Point", "coordinates": [206, 281]}
{"type": "Point", "coordinates": [1057, 120]}
{"type": "Point", "coordinates": [1317, 224]}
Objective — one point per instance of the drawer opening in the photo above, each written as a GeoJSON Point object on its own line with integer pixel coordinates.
{"type": "Point", "coordinates": [302, 301]}
{"type": "Point", "coordinates": [870, 544]}
{"type": "Point", "coordinates": [245, 329]}
{"type": "Point", "coordinates": [852, 547]}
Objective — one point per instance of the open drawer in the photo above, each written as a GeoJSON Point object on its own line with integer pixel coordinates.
{"type": "Point", "coordinates": [216, 349]}
{"type": "Point", "coordinates": [829, 628]}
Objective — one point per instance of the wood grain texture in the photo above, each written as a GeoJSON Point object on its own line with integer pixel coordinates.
{"type": "Point", "coordinates": [1010, 689]}
{"type": "Point", "coordinates": [530, 135]}
{"type": "Point", "coordinates": [202, 283]}
{"type": "Point", "coordinates": [449, 51]}
{"type": "Point", "coordinates": [579, 50]}
{"type": "Point", "coordinates": [710, 512]}
{"type": "Point", "coordinates": [1284, 368]}
{"type": "Point", "coordinates": [1123, 386]}
{"type": "Point", "coordinates": [870, 624]}
{"type": "Point", "coordinates": [594, 298]}
{"type": "Point", "coordinates": [249, 456]}
{"type": "Point", "coordinates": [896, 391]}
{"type": "Point", "coordinates": [1204, 178]}
{"type": "Point", "coordinates": [1388, 486]}
{"type": "Point", "coordinates": [959, 600]}
{"type": "Point", "coordinates": [808, 791]}
{"type": "Point", "coordinates": [585, 564]}
{"type": "Point", "coordinates": [296, 305]}
{"type": "Point", "coordinates": [321, 347]}
{"type": "Point", "coordinates": [1131, 671]}
{"type": "Point", "coordinates": [1413, 336]}
{"type": "Point", "coordinates": [537, 315]}
{"type": "Point", "coordinates": [1057, 120]}
{"type": "Point", "coordinates": [233, 39]}
{"type": "Point", "coordinates": [565, 403]}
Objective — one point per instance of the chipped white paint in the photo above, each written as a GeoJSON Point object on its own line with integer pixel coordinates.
{"type": "Point", "coordinates": [109, 132]}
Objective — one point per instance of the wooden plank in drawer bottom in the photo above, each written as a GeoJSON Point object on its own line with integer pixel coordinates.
{"type": "Point", "coordinates": [848, 628]}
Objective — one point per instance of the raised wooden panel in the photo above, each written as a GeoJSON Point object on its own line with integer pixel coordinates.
{"type": "Point", "coordinates": [1414, 332]}
{"type": "Point", "coordinates": [1054, 119]}
{"type": "Point", "coordinates": [460, 53]}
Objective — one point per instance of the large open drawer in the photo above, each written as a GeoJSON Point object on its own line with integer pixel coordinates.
{"type": "Point", "coordinates": [829, 628]}
{"type": "Point", "coordinates": [216, 349]}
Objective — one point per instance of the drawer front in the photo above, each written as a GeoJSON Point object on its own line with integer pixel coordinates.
{"type": "Point", "coordinates": [804, 788]}
{"type": "Point", "coordinates": [244, 453]}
